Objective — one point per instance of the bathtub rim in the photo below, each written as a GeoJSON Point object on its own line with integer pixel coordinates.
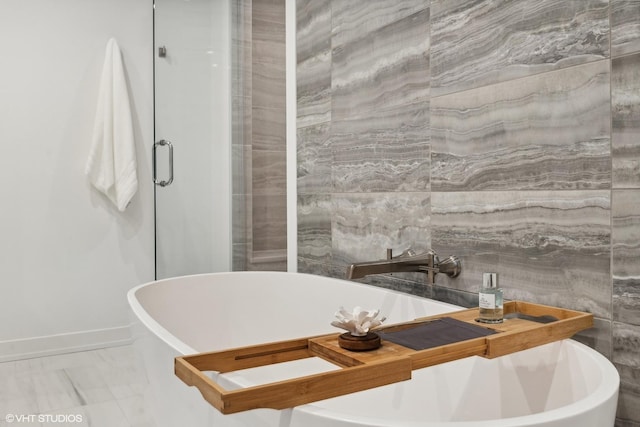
{"type": "Point", "coordinates": [601, 396]}
{"type": "Point", "coordinates": [608, 390]}
{"type": "Point", "coordinates": [179, 346]}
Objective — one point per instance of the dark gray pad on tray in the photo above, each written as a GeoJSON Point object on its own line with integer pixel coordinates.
{"type": "Point", "coordinates": [435, 333]}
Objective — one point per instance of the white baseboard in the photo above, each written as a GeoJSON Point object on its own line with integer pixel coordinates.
{"type": "Point", "coordinates": [64, 343]}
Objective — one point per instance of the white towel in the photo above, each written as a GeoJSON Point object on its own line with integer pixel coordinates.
{"type": "Point", "coordinates": [111, 166]}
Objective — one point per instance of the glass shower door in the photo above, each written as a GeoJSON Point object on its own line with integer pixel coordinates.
{"type": "Point", "coordinates": [193, 126]}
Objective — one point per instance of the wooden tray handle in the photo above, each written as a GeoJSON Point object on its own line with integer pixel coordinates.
{"type": "Point", "coordinates": [297, 391]}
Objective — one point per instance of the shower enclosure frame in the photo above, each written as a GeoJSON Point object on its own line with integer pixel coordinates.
{"type": "Point", "coordinates": [235, 245]}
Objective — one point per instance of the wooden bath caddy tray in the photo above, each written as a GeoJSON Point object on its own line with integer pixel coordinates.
{"type": "Point", "coordinates": [364, 370]}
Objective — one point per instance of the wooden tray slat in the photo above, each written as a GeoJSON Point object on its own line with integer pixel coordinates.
{"type": "Point", "coordinates": [364, 370]}
{"type": "Point", "coordinates": [297, 391]}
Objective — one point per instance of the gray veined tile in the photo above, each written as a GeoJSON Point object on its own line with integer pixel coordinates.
{"type": "Point", "coordinates": [270, 222]}
{"type": "Point", "coordinates": [269, 172]}
{"type": "Point", "coordinates": [626, 347]}
{"type": "Point", "coordinates": [268, 20]}
{"type": "Point", "coordinates": [308, 266]}
{"type": "Point", "coordinates": [314, 159]}
{"type": "Point", "coordinates": [313, 73]}
{"type": "Point", "coordinates": [626, 256]}
{"type": "Point", "coordinates": [598, 337]}
{"type": "Point", "coordinates": [549, 247]}
{"type": "Point", "coordinates": [629, 397]}
{"type": "Point", "coordinates": [352, 19]}
{"type": "Point", "coordinates": [364, 226]}
{"type": "Point", "coordinates": [314, 227]}
{"type": "Point", "coordinates": [313, 28]}
{"type": "Point", "coordinates": [476, 43]}
{"type": "Point", "coordinates": [547, 131]}
{"type": "Point", "coordinates": [268, 75]}
{"type": "Point", "coordinates": [313, 90]}
{"type": "Point", "coordinates": [380, 101]}
{"type": "Point", "coordinates": [625, 27]}
{"type": "Point", "coordinates": [625, 108]}
{"type": "Point", "coordinates": [268, 129]}
{"type": "Point", "coordinates": [372, 161]}
{"type": "Point", "coordinates": [383, 69]}
{"type": "Point", "coordinates": [241, 161]}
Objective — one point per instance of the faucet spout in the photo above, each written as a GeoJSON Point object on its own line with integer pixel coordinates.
{"type": "Point", "coordinates": [407, 262]}
{"type": "Point", "coordinates": [402, 264]}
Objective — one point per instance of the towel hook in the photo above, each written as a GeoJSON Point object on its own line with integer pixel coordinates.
{"type": "Point", "coordinates": [155, 178]}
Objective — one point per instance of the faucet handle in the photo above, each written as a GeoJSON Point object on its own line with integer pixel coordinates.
{"type": "Point", "coordinates": [405, 254]}
{"type": "Point", "coordinates": [451, 266]}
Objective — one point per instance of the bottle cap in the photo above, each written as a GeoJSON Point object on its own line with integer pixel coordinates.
{"type": "Point", "coordinates": [490, 280]}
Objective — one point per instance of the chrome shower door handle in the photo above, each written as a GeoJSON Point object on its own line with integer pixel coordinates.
{"type": "Point", "coordinates": [163, 142]}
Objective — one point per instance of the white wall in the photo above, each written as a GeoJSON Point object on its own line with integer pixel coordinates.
{"type": "Point", "coordinates": [67, 256]}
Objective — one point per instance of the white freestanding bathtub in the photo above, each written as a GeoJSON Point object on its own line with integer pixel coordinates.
{"type": "Point", "coordinates": [562, 384]}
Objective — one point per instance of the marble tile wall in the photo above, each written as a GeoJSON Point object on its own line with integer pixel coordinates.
{"type": "Point", "coordinates": [504, 132]}
{"type": "Point", "coordinates": [268, 127]}
{"type": "Point", "coordinates": [625, 27]}
{"type": "Point", "coordinates": [259, 148]}
{"type": "Point", "coordinates": [241, 132]}
{"type": "Point", "coordinates": [476, 43]}
{"type": "Point", "coordinates": [625, 145]}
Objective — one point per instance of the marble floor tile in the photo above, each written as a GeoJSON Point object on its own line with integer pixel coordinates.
{"type": "Point", "coordinates": [63, 361]}
{"type": "Point", "coordinates": [7, 368]}
{"type": "Point", "coordinates": [90, 383]}
{"type": "Point", "coordinates": [105, 414]}
{"type": "Point", "coordinates": [133, 409]}
{"type": "Point", "coordinates": [124, 382]}
{"type": "Point", "coordinates": [102, 387]}
{"type": "Point", "coordinates": [22, 422]}
{"type": "Point", "coordinates": [55, 390]}
{"type": "Point", "coordinates": [17, 395]}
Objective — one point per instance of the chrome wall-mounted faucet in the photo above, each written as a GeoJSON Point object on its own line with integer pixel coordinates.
{"type": "Point", "coordinates": [408, 261]}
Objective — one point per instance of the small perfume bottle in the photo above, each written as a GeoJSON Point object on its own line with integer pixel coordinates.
{"type": "Point", "coordinates": [490, 299]}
